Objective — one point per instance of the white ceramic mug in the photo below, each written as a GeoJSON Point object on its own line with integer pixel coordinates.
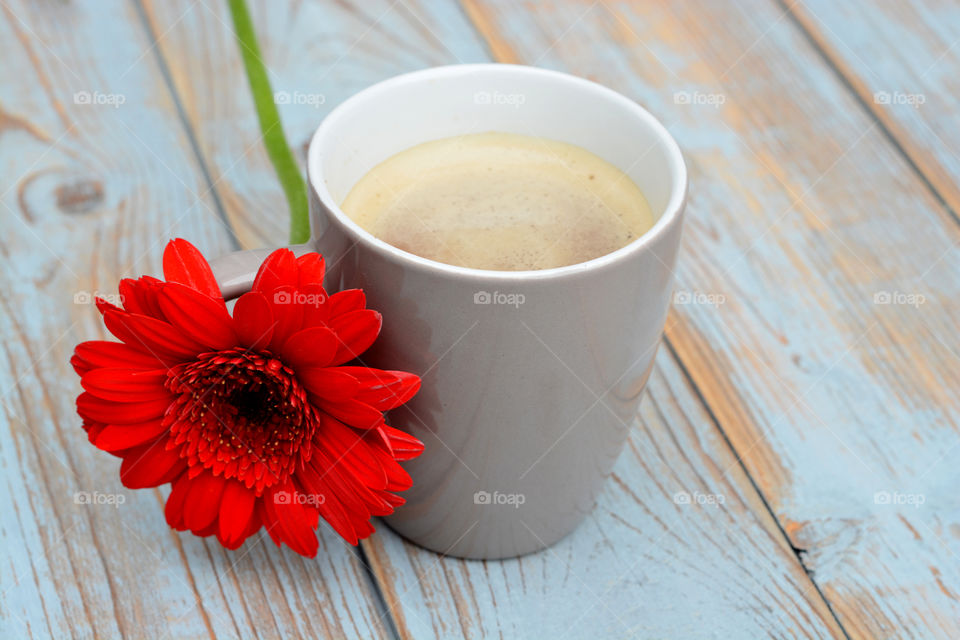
{"type": "Point", "coordinates": [531, 379]}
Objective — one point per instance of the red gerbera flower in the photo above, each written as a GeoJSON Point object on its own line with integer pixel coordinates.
{"type": "Point", "coordinates": [254, 419]}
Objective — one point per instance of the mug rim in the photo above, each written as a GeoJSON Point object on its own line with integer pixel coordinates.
{"type": "Point", "coordinates": [669, 218]}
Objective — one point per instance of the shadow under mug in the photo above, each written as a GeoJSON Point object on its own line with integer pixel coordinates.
{"type": "Point", "coordinates": [531, 379]}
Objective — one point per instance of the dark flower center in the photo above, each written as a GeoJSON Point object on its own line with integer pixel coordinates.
{"type": "Point", "coordinates": [255, 403]}
{"type": "Point", "coordinates": [241, 414]}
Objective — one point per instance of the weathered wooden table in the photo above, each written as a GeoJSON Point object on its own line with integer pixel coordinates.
{"type": "Point", "coordinates": [794, 468]}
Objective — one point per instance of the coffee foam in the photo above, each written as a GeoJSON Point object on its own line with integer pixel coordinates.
{"type": "Point", "coordinates": [500, 201]}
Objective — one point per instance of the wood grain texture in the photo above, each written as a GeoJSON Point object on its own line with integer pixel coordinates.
{"type": "Point", "coordinates": [826, 275]}
{"type": "Point", "coordinates": [417, 36]}
{"type": "Point", "coordinates": [816, 317]}
{"type": "Point", "coordinates": [679, 546]}
{"type": "Point", "coordinates": [316, 55]}
{"type": "Point", "coordinates": [97, 174]}
{"type": "Point", "coordinates": [902, 59]}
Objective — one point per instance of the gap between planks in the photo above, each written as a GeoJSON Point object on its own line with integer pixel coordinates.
{"type": "Point", "coordinates": [501, 51]}
{"type": "Point", "coordinates": [188, 130]}
{"type": "Point", "coordinates": [858, 88]}
{"type": "Point", "coordinates": [797, 551]}
{"type": "Point", "coordinates": [375, 592]}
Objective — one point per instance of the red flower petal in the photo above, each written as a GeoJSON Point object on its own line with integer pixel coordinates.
{"type": "Point", "coordinates": [338, 451]}
{"type": "Point", "coordinates": [317, 312]}
{"type": "Point", "coordinates": [199, 316]}
{"type": "Point", "coordinates": [92, 429]}
{"type": "Point", "coordinates": [117, 437]}
{"type": "Point", "coordinates": [329, 383]}
{"type": "Point", "coordinates": [140, 296]}
{"type": "Point", "coordinates": [392, 498]}
{"type": "Point", "coordinates": [358, 502]}
{"type": "Point", "coordinates": [310, 347]}
{"type": "Point", "coordinates": [356, 330]}
{"type": "Point", "coordinates": [235, 543]}
{"type": "Point", "coordinates": [311, 269]}
{"type": "Point", "coordinates": [397, 478]}
{"type": "Point", "coordinates": [209, 530]}
{"type": "Point", "coordinates": [103, 306]}
{"type": "Point", "coordinates": [236, 511]}
{"type": "Point", "coordinates": [153, 336]}
{"type": "Point", "coordinates": [151, 465]}
{"type": "Point", "coordinates": [90, 407]}
{"type": "Point", "coordinates": [349, 449]}
{"type": "Point", "coordinates": [183, 263]}
{"type": "Point", "coordinates": [173, 511]}
{"type": "Point", "coordinates": [403, 445]}
{"type": "Point", "coordinates": [278, 270]}
{"type": "Point", "coordinates": [294, 524]}
{"type": "Point", "coordinates": [253, 320]}
{"type": "Point", "coordinates": [203, 501]}
{"type": "Point", "coordinates": [255, 523]}
{"type": "Point", "coordinates": [346, 301]}
{"type": "Point", "coordinates": [382, 389]}
{"type": "Point", "coordinates": [126, 385]}
{"type": "Point", "coordinates": [327, 503]}
{"type": "Point", "coordinates": [288, 314]}
{"type": "Point", "coordinates": [102, 353]}
{"type": "Point", "coordinates": [322, 470]}
{"type": "Point", "coordinates": [270, 525]}
{"type": "Point", "coordinates": [232, 545]}
{"type": "Point", "coordinates": [354, 413]}
{"type": "Point", "coordinates": [365, 530]}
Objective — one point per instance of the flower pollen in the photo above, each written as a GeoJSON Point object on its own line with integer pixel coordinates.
{"type": "Point", "coordinates": [242, 415]}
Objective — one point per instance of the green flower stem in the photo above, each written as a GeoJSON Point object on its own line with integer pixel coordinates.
{"type": "Point", "coordinates": [274, 139]}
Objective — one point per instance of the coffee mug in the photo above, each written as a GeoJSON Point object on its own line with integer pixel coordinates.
{"type": "Point", "coordinates": [531, 379]}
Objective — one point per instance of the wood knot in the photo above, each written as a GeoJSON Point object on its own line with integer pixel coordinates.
{"type": "Point", "coordinates": [79, 196]}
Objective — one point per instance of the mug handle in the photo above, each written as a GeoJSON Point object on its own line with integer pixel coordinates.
{"type": "Point", "coordinates": [235, 271]}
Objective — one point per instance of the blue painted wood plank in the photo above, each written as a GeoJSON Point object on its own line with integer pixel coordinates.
{"type": "Point", "coordinates": [751, 167]}
{"type": "Point", "coordinates": [902, 58]}
{"type": "Point", "coordinates": [828, 355]}
{"type": "Point", "coordinates": [338, 50]}
{"type": "Point", "coordinates": [679, 546]}
{"type": "Point", "coordinates": [98, 173]}
{"type": "Point", "coordinates": [316, 55]}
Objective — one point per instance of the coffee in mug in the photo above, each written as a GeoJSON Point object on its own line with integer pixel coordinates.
{"type": "Point", "coordinates": [500, 201]}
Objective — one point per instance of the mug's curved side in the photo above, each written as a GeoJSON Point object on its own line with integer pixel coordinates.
{"type": "Point", "coordinates": [531, 379]}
